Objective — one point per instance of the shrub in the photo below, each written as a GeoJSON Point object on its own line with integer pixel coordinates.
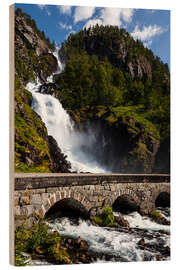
{"type": "Point", "coordinates": [106, 218]}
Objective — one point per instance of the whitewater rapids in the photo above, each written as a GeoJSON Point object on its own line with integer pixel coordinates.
{"type": "Point", "coordinates": [120, 244]}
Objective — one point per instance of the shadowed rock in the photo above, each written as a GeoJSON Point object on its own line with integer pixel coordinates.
{"type": "Point", "coordinates": [67, 207]}
{"type": "Point", "coordinates": [60, 164]}
{"type": "Point", "coordinates": [125, 204]}
{"type": "Point", "coordinates": [163, 200]}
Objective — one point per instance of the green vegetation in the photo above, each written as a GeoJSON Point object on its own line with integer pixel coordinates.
{"type": "Point", "coordinates": [106, 218]}
{"type": "Point", "coordinates": [38, 240]}
{"type": "Point", "coordinates": [31, 146]}
{"type": "Point", "coordinates": [108, 77]}
{"type": "Point", "coordinates": [159, 218]}
{"type": "Point", "coordinates": [96, 74]}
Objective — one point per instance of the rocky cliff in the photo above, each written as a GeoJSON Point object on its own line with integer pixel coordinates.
{"type": "Point", "coordinates": [33, 59]}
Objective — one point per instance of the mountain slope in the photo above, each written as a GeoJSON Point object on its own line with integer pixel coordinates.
{"type": "Point", "coordinates": [33, 59]}
{"type": "Point", "coordinates": [106, 67]}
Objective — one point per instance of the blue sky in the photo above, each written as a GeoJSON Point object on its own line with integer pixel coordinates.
{"type": "Point", "coordinates": [152, 27]}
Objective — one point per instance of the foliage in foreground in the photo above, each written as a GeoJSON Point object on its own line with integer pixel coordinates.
{"type": "Point", "coordinates": [36, 241]}
{"type": "Point", "coordinates": [41, 243]}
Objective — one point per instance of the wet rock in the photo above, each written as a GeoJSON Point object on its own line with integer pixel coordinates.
{"type": "Point", "coordinates": [164, 232]}
{"type": "Point", "coordinates": [167, 251]}
{"type": "Point", "coordinates": [67, 207]}
{"type": "Point", "coordinates": [141, 242]}
{"type": "Point", "coordinates": [158, 218]}
{"type": "Point", "coordinates": [60, 164]}
{"type": "Point", "coordinates": [121, 221]}
{"type": "Point", "coordinates": [95, 211]}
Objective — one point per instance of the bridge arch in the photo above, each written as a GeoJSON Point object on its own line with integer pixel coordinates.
{"type": "Point", "coordinates": [125, 204]}
{"type": "Point", "coordinates": [55, 197]}
{"type": "Point", "coordinates": [122, 196]}
{"type": "Point", "coordinates": [67, 207]}
{"type": "Point", "coordinates": [161, 197]}
{"type": "Point", "coordinates": [37, 193]}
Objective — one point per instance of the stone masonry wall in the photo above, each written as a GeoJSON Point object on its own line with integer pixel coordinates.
{"type": "Point", "coordinates": [30, 202]}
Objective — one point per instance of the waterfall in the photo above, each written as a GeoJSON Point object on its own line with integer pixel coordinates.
{"type": "Point", "coordinates": [61, 127]}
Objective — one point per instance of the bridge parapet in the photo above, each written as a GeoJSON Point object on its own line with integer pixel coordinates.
{"type": "Point", "coordinates": [36, 193]}
{"type": "Point", "coordinates": [36, 181]}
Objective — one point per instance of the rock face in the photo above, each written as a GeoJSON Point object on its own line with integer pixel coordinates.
{"type": "Point", "coordinates": [137, 140]}
{"type": "Point", "coordinates": [67, 207]}
{"type": "Point", "coordinates": [59, 159]}
{"type": "Point", "coordinates": [33, 52]}
{"type": "Point", "coordinates": [116, 49]}
{"type": "Point", "coordinates": [131, 145]}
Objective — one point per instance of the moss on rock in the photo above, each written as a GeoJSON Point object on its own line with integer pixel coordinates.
{"type": "Point", "coordinates": [106, 218]}
{"type": "Point", "coordinates": [31, 138]}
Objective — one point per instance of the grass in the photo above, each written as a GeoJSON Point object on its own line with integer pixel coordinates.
{"type": "Point", "coordinates": [29, 142]}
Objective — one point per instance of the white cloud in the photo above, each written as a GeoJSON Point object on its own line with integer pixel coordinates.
{"type": "Point", "coordinates": [65, 9]}
{"type": "Point", "coordinates": [112, 16]}
{"type": "Point", "coordinates": [65, 26]}
{"type": "Point", "coordinates": [44, 7]}
{"type": "Point", "coordinates": [116, 16]}
{"type": "Point", "coordinates": [83, 13]}
{"type": "Point", "coordinates": [147, 32]}
{"type": "Point", "coordinates": [93, 22]}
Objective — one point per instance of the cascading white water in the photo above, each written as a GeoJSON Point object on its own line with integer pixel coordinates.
{"type": "Point", "coordinates": [121, 246]}
{"type": "Point", "coordinates": [143, 222]}
{"type": "Point", "coordinates": [60, 65]}
{"type": "Point", "coordinates": [60, 126]}
{"type": "Point", "coordinates": [112, 242]}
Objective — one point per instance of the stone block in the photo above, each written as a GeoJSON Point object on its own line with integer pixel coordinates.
{"type": "Point", "coordinates": [39, 190]}
{"type": "Point", "coordinates": [101, 199]}
{"type": "Point", "coordinates": [44, 197]}
{"type": "Point", "coordinates": [17, 210]}
{"type": "Point", "coordinates": [52, 199]}
{"type": "Point", "coordinates": [47, 205]}
{"type": "Point", "coordinates": [107, 187]}
{"type": "Point", "coordinates": [25, 200]}
{"type": "Point", "coordinates": [35, 199]}
{"type": "Point", "coordinates": [42, 211]}
{"type": "Point", "coordinates": [16, 201]}
{"type": "Point", "coordinates": [51, 190]}
{"type": "Point", "coordinates": [113, 188]}
{"type": "Point", "coordinates": [58, 196]}
{"type": "Point", "coordinates": [27, 192]}
{"type": "Point", "coordinates": [27, 210]}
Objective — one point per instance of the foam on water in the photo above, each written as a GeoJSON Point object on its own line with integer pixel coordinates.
{"type": "Point", "coordinates": [100, 240]}
{"type": "Point", "coordinates": [142, 222]}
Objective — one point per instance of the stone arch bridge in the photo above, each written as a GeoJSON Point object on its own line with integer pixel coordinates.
{"type": "Point", "coordinates": [37, 193]}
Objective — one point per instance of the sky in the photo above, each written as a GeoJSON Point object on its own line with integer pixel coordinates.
{"type": "Point", "coordinates": [151, 26]}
